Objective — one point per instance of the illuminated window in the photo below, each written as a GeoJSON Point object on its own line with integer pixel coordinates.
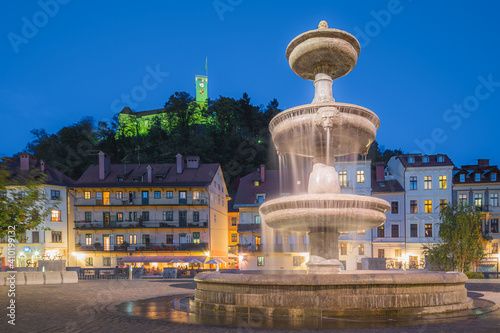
{"type": "Point", "coordinates": [494, 248]}
{"type": "Point", "coordinates": [119, 239]}
{"type": "Point", "coordinates": [360, 176]}
{"type": "Point", "coordinates": [361, 249]}
{"type": "Point", "coordinates": [261, 261]}
{"type": "Point", "coordinates": [428, 182]}
{"type": "Point", "coordinates": [256, 183]}
{"type": "Point", "coordinates": [413, 207]}
{"type": "Point", "coordinates": [443, 183]}
{"type": "Point", "coordinates": [87, 195]}
{"type": "Point", "coordinates": [196, 237]}
{"type": "Point", "coordinates": [119, 217]}
{"type": "Point", "coordinates": [258, 240]}
{"type": "Point", "coordinates": [56, 216]}
{"type": "Point", "coordinates": [462, 198]}
{"type": "Point", "coordinates": [361, 232]}
{"type": "Point", "coordinates": [397, 253]}
{"type": "Point", "coordinates": [428, 206]}
{"type": "Point", "coordinates": [428, 230]}
{"type": "Point", "coordinates": [132, 239]}
{"type": "Point", "coordinates": [343, 248]}
{"type": "Point", "coordinates": [297, 260]}
{"type": "Point", "coordinates": [381, 253]}
{"type": "Point", "coordinates": [170, 239]}
{"type": "Point", "coordinates": [494, 199]}
{"type": "Point", "coordinates": [88, 239]}
{"type": "Point", "coordinates": [413, 182]}
{"type": "Point", "coordinates": [119, 195]}
{"type": "Point", "coordinates": [196, 195]}
{"type": "Point", "coordinates": [462, 177]}
{"type": "Point", "coordinates": [478, 199]}
{"type": "Point", "coordinates": [380, 231]}
{"type": "Point", "coordinates": [343, 178]}
{"type": "Point", "coordinates": [234, 221]}
{"type": "Point", "coordinates": [234, 238]}
{"type": "Point", "coordinates": [89, 261]}
{"type": "Point", "coordinates": [442, 203]}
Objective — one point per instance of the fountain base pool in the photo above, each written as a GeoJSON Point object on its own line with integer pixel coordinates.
{"type": "Point", "coordinates": [364, 293]}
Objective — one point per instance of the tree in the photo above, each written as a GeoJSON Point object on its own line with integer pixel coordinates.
{"type": "Point", "coordinates": [23, 205]}
{"type": "Point", "coordinates": [462, 246]}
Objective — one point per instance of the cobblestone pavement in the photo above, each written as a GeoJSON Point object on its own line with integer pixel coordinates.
{"type": "Point", "coordinates": [91, 306]}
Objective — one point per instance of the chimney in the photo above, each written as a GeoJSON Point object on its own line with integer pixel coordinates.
{"type": "Point", "coordinates": [262, 173]}
{"type": "Point", "coordinates": [27, 160]}
{"type": "Point", "coordinates": [193, 162]}
{"type": "Point", "coordinates": [42, 165]}
{"type": "Point", "coordinates": [180, 163]}
{"type": "Point", "coordinates": [150, 174]}
{"type": "Point", "coordinates": [483, 162]}
{"type": "Point", "coordinates": [104, 165]}
{"type": "Point", "coordinates": [380, 170]}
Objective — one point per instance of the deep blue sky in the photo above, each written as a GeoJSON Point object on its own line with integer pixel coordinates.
{"type": "Point", "coordinates": [415, 66]}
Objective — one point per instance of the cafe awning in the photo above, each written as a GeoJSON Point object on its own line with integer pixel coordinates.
{"type": "Point", "coordinates": [160, 259]}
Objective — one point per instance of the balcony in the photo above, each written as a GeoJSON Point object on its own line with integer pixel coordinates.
{"type": "Point", "coordinates": [197, 247]}
{"type": "Point", "coordinates": [138, 225]}
{"type": "Point", "coordinates": [249, 227]}
{"type": "Point", "coordinates": [112, 202]}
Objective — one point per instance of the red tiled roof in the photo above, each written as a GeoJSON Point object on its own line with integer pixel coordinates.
{"type": "Point", "coordinates": [247, 192]}
{"type": "Point", "coordinates": [54, 177]}
{"type": "Point", "coordinates": [199, 177]}
{"type": "Point", "coordinates": [385, 186]}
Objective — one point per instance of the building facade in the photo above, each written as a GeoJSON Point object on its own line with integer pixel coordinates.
{"type": "Point", "coordinates": [175, 210]}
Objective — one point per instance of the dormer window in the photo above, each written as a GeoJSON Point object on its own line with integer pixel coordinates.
{"type": "Point", "coordinates": [136, 180]}
{"type": "Point", "coordinates": [159, 178]}
{"type": "Point", "coordinates": [410, 159]}
{"type": "Point", "coordinates": [120, 179]}
{"type": "Point", "coordinates": [493, 177]}
{"type": "Point", "coordinates": [477, 177]}
{"type": "Point", "coordinates": [260, 198]}
{"type": "Point", "coordinates": [462, 178]}
{"type": "Point", "coordinates": [440, 159]}
{"type": "Point", "coordinates": [426, 159]}
{"type": "Point", "coordinates": [256, 183]}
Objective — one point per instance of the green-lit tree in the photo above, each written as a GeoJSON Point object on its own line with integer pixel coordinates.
{"type": "Point", "coordinates": [462, 245]}
{"type": "Point", "coordinates": [23, 205]}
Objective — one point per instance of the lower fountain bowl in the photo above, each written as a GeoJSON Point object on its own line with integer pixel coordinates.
{"type": "Point", "coordinates": [339, 212]}
{"type": "Point", "coordinates": [364, 293]}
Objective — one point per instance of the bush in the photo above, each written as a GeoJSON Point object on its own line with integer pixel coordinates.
{"type": "Point", "coordinates": [474, 275]}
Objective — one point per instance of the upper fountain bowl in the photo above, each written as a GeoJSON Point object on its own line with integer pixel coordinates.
{"type": "Point", "coordinates": [324, 50]}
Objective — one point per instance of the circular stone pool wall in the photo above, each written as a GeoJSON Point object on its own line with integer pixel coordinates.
{"type": "Point", "coordinates": [366, 293]}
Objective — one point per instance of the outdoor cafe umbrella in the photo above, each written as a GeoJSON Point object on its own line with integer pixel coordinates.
{"type": "Point", "coordinates": [215, 261]}
{"type": "Point", "coordinates": [193, 261]}
{"type": "Point", "coordinates": [175, 260]}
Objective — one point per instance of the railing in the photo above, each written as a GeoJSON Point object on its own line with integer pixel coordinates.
{"type": "Point", "coordinates": [249, 227]}
{"type": "Point", "coordinates": [202, 247]}
{"type": "Point", "coordinates": [102, 273]}
{"type": "Point", "coordinates": [203, 201]}
{"type": "Point", "coordinates": [137, 224]}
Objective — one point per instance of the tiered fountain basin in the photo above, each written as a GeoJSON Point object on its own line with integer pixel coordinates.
{"type": "Point", "coordinates": [329, 211]}
{"type": "Point", "coordinates": [367, 293]}
{"type": "Point", "coordinates": [295, 131]}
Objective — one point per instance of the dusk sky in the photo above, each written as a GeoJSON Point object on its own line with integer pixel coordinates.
{"type": "Point", "coordinates": [429, 69]}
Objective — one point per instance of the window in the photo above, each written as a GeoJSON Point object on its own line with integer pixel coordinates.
{"type": "Point", "coordinates": [196, 216]}
{"type": "Point", "coordinates": [196, 195]}
{"type": "Point", "coordinates": [425, 159]}
{"type": "Point", "coordinates": [360, 176]}
{"type": "Point", "coordinates": [494, 248]}
{"type": "Point", "coordinates": [494, 199]}
{"type": "Point", "coordinates": [196, 237]}
{"type": "Point", "coordinates": [256, 183]}
{"type": "Point", "coordinates": [397, 253]}
{"type": "Point", "coordinates": [297, 260]}
{"type": "Point", "coordinates": [477, 177]}
{"type": "Point", "coordinates": [478, 199]}
{"type": "Point", "coordinates": [410, 160]}
{"type": "Point", "coordinates": [413, 207]}
{"type": "Point", "coordinates": [343, 178]}
{"type": "Point", "coordinates": [440, 159]}
{"type": "Point", "coordinates": [119, 217]}
{"type": "Point", "coordinates": [218, 200]}
{"type": "Point", "coordinates": [120, 179]}
{"type": "Point", "coordinates": [493, 177]}
{"type": "Point", "coordinates": [56, 236]}
{"type": "Point", "coordinates": [258, 240]}
{"type": "Point", "coordinates": [234, 238]}
{"type": "Point", "coordinates": [88, 216]}
{"type": "Point", "coordinates": [428, 230]}
{"type": "Point", "coordinates": [169, 239]}
{"type": "Point", "coordinates": [35, 237]}
{"type": "Point", "coordinates": [442, 203]}
{"type": "Point", "coordinates": [361, 232]}
{"type": "Point", "coordinates": [428, 182]}
{"type": "Point", "coordinates": [55, 195]}
{"type": "Point", "coordinates": [132, 239]}
{"type": "Point", "coordinates": [462, 177]}
{"type": "Point", "coordinates": [170, 194]}
{"type": "Point", "coordinates": [88, 239]}
{"type": "Point", "coordinates": [119, 195]}
{"type": "Point", "coordinates": [119, 239]}
{"type": "Point", "coordinates": [260, 261]}
{"type": "Point", "coordinates": [145, 239]}
{"type": "Point", "coordinates": [413, 230]}
{"type": "Point", "coordinates": [394, 207]}
{"type": "Point", "coordinates": [361, 249]}
{"type": "Point", "coordinates": [106, 261]}
{"type": "Point", "coordinates": [413, 182]}
{"type": "Point", "coordinates": [89, 261]}
{"type": "Point", "coordinates": [494, 226]}
{"type": "Point", "coordinates": [257, 219]}
{"type": "Point", "coordinates": [168, 216]}
{"type": "Point", "coordinates": [86, 195]}
{"type": "Point", "coordinates": [98, 195]}
{"type": "Point", "coordinates": [381, 253]}
{"type": "Point", "coordinates": [462, 198]}
{"type": "Point", "coordinates": [395, 230]}
{"type": "Point", "coordinates": [157, 195]}
{"type": "Point", "coordinates": [260, 198]}
{"type": "Point", "coordinates": [56, 216]}
{"type": "Point", "coordinates": [380, 231]}
{"type": "Point", "coordinates": [233, 221]}
{"type": "Point", "coordinates": [145, 216]}
{"type": "Point", "coordinates": [443, 182]}
{"type": "Point", "coordinates": [343, 248]}
{"type": "Point", "coordinates": [428, 206]}
{"type": "Point", "coordinates": [21, 195]}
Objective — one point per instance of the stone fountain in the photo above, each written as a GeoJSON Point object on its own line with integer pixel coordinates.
{"type": "Point", "coordinates": [325, 130]}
